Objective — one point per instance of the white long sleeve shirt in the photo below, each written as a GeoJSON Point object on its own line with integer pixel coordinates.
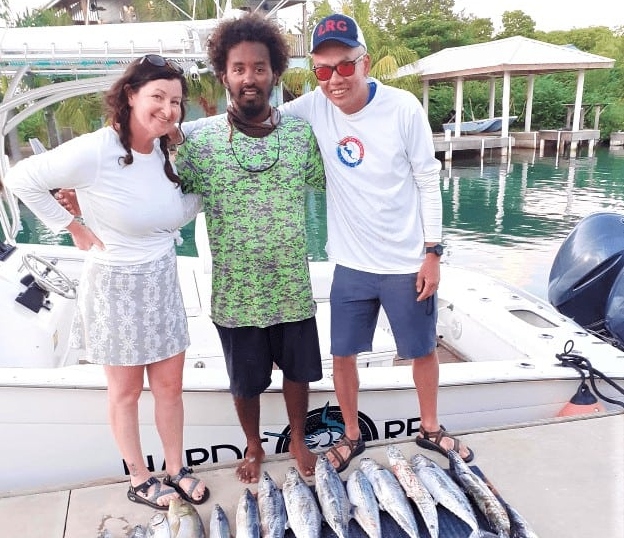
{"type": "Point", "coordinates": [135, 210]}
{"type": "Point", "coordinates": [383, 180]}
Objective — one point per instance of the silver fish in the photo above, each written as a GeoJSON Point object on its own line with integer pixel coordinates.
{"type": "Point", "coordinates": [184, 520]}
{"type": "Point", "coordinates": [138, 531]}
{"type": "Point", "coordinates": [304, 514]}
{"type": "Point", "coordinates": [364, 502]}
{"type": "Point", "coordinates": [219, 524]}
{"type": "Point", "coordinates": [519, 527]}
{"type": "Point", "coordinates": [414, 488]}
{"type": "Point", "coordinates": [247, 516]}
{"type": "Point", "coordinates": [272, 508]}
{"type": "Point", "coordinates": [443, 489]}
{"type": "Point", "coordinates": [158, 526]}
{"type": "Point", "coordinates": [390, 495]}
{"type": "Point", "coordinates": [335, 505]}
{"type": "Point", "coordinates": [481, 494]}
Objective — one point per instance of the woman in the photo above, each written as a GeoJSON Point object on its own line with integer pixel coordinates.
{"type": "Point", "coordinates": [131, 317]}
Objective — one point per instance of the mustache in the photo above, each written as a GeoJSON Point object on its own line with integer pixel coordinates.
{"type": "Point", "coordinates": [247, 88]}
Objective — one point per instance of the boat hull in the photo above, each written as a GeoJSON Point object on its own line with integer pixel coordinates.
{"type": "Point", "coordinates": [53, 406]}
{"type": "Point", "coordinates": [60, 435]}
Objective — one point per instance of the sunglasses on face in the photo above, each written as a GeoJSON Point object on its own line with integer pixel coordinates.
{"type": "Point", "coordinates": [158, 61]}
{"type": "Point", "coordinates": [344, 69]}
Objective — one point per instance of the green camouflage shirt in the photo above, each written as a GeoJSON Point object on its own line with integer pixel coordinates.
{"type": "Point", "coordinates": [255, 219]}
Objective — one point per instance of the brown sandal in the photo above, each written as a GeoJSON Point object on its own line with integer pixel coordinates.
{"type": "Point", "coordinates": [432, 440]}
{"type": "Point", "coordinates": [355, 449]}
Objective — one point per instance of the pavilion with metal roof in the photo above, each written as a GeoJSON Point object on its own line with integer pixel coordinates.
{"type": "Point", "coordinates": [513, 56]}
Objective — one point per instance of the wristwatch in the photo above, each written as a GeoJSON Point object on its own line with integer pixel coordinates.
{"type": "Point", "coordinates": [435, 249]}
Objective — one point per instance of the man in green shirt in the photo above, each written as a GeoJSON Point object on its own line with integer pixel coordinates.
{"type": "Point", "coordinates": [252, 167]}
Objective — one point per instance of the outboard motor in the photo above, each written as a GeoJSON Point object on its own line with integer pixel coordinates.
{"type": "Point", "coordinates": [585, 268]}
{"type": "Point", "coordinates": [614, 315]}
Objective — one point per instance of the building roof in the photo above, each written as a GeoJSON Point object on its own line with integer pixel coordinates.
{"type": "Point", "coordinates": [517, 55]}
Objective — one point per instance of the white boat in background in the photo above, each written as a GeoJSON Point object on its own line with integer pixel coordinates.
{"type": "Point", "coordinates": [487, 125]}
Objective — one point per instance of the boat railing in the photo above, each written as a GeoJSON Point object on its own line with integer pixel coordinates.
{"type": "Point", "coordinates": [9, 211]}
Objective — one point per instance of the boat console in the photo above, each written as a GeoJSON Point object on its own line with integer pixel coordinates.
{"type": "Point", "coordinates": [38, 296]}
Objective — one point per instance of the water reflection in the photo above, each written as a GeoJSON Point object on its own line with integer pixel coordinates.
{"type": "Point", "coordinates": [507, 218]}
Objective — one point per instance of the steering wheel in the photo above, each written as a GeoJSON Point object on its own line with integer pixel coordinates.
{"type": "Point", "coordinates": [49, 277]}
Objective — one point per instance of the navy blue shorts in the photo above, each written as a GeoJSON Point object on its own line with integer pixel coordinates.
{"type": "Point", "coordinates": [251, 351]}
{"type": "Point", "coordinates": [356, 297]}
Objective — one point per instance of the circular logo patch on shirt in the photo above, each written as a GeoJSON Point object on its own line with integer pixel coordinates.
{"type": "Point", "coordinates": [350, 151]}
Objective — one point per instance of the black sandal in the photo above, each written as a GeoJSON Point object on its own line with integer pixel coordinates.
{"type": "Point", "coordinates": [356, 447]}
{"type": "Point", "coordinates": [187, 495]}
{"type": "Point", "coordinates": [432, 440]}
{"type": "Point", "coordinates": [152, 500]}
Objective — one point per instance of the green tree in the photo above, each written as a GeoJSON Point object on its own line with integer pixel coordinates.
{"type": "Point", "coordinates": [177, 10]}
{"type": "Point", "coordinates": [392, 15]}
{"type": "Point", "coordinates": [432, 33]}
{"type": "Point", "coordinates": [517, 23]}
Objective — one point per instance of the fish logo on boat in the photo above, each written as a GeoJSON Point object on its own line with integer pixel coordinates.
{"type": "Point", "coordinates": [350, 151]}
{"type": "Point", "coordinates": [324, 426]}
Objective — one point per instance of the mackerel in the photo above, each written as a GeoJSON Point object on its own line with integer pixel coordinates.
{"type": "Point", "coordinates": [414, 489]}
{"type": "Point", "coordinates": [444, 490]}
{"type": "Point", "coordinates": [304, 515]}
{"type": "Point", "coordinates": [390, 495]}
{"type": "Point", "coordinates": [481, 494]}
{"type": "Point", "coordinates": [247, 516]}
{"type": "Point", "coordinates": [272, 508]}
{"type": "Point", "coordinates": [219, 524]}
{"type": "Point", "coordinates": [335, 505]}
{"type": "Point", "coordinates": [365, 506]}
{"type": "Point", "coordinates": [519, 527]}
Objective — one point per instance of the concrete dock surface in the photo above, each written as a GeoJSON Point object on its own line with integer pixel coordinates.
{"type": "Point", "coordinates": [566, 477]}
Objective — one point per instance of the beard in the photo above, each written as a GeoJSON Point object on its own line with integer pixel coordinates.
{"type": "Point", "coordinates": [251, 108]}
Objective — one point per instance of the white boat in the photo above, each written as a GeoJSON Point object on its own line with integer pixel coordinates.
{"type": "Point", "coordinates": [487, 125]}
{"type": "Point", "coordinates": [53, 408]}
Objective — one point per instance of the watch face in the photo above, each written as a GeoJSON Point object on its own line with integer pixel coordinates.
{"type": "Point", "coordinates": [436, 249]}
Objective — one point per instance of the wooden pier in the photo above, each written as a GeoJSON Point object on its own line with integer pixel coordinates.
{"type": "Point", "coordinates": [448, 145]}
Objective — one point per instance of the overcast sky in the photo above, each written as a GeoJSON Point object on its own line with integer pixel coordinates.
{"type": "Point", "coordinates": [547, 14]}
{"type": "Point", "coordinates": [550, 14]}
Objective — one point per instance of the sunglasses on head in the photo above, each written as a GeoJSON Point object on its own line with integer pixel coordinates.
{"type": "Point", "coordinates": [344, 69]}
{"type": "Point", "coordinates": [158, 61]}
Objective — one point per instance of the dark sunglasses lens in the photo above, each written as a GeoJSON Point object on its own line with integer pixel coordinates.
{"type": "Point", "coordinates": [175, 67]}
{"type": "Point", "coordinates": [346, 69]}
{"type": "Point", "coordinates": [323, 73]}
{"type": "Point", "coordinates": [155, 60]}
{"type": "Point", "coordinates": [158, 61]}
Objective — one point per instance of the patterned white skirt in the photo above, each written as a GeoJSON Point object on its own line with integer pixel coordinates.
{"type": "Point", "coordinates": [130, 315]}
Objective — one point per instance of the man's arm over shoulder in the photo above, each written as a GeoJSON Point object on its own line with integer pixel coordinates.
{"type": "Point", "coordinates": [301, 107]}
{"type": "Point", "coordinates": [188, 127]}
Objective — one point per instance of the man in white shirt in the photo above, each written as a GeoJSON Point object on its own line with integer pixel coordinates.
{"type": "Point", "coordinates": [384, 224]}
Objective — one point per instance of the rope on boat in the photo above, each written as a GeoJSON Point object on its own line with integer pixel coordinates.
{"type": "Point", "coordinates": [581, 364]}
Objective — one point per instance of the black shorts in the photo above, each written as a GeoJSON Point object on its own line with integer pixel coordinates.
{"type": "Point", "coordinates": [251, 351]}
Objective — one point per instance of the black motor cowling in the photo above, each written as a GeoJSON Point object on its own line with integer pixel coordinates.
{"type": "Point", "coordinates": [585, 268]}
{"type": "Point", "coordinates": [614, 313]}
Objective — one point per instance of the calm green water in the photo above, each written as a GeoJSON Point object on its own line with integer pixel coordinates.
{"type": "Point", "coordinates": [505, 218]}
